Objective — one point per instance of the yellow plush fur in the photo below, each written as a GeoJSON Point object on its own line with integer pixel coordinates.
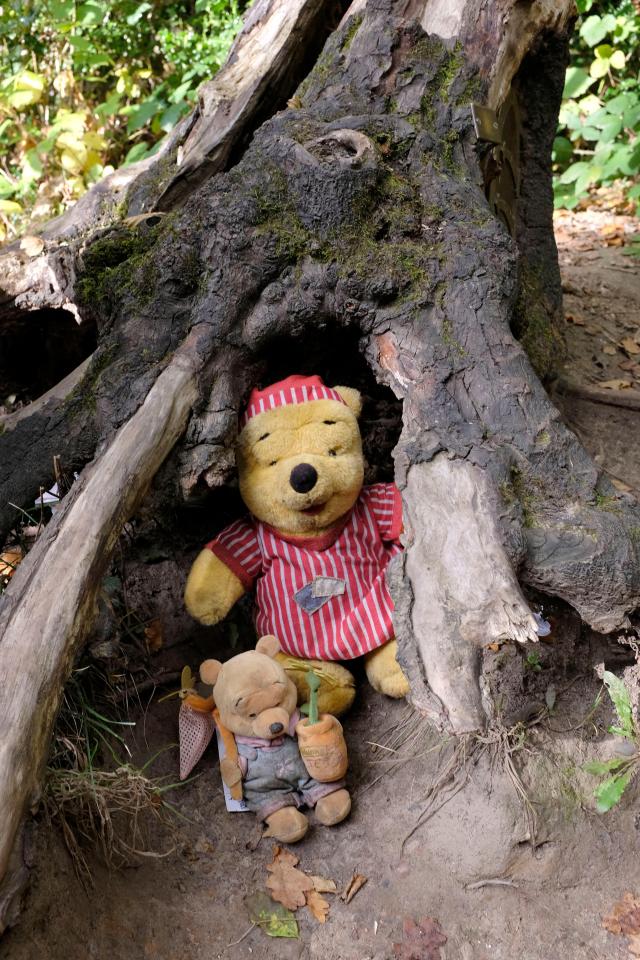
{"type": "Point", "coordinates": [255, 698]}
{"type": "Point", "coordinates": [324, 434]}
{"type": "Point", "coordinates": [252, 691]}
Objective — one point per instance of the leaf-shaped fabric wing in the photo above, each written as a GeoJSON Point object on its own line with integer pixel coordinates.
{"type": "Point", "coordinates": [196, 730]}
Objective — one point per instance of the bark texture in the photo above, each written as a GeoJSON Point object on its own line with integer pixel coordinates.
{"type": "Point", "coordinates": [356, 216]}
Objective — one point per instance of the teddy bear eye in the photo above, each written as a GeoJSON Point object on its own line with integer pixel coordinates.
{"type": "Point", "coordinates": [330, 423]}
{"type": "Point", "coordinates": [252, 716]}
{"type": "Point", "coordinates": [273, 463]}
{"type": "Point", "coordinates": [333, 453]}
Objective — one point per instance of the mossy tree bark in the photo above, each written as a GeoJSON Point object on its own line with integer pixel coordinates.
{"type": "Point", "coordinates": [362, 208]}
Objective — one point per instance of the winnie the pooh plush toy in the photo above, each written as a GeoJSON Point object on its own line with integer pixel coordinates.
{"type": "Point", "coordinates": [257, 702]}
{"type": "Point", "coordinates": [316, 543]}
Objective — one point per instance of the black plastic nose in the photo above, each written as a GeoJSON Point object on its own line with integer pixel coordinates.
{"type": "Point", "coordinates": [303, 478]}
{"type": "Point", "coordinates": [276, 728]}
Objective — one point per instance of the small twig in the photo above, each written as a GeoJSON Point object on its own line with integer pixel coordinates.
{"type": "Point", "coordinates": [490, 882]}
{"type": "Point", "coordinates": [244, 935]}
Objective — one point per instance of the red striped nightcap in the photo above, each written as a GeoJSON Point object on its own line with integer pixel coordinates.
{"type": "Point", "coordinates": [294, 389]}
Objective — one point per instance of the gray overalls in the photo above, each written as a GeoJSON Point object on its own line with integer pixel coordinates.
{"type": "Point", "coordinates": [274, 776]}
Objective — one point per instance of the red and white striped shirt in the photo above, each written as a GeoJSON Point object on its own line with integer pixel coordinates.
{"type": "Point", "coordinates": [345, 613]}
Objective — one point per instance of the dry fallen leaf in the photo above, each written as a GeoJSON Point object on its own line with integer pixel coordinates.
{"type": "Point", "coordinates": [318, 906]}
{"type": "Point", "coordinates": [153, 633]}
{"type": "Point", "coordinates": [9, 560]}
{"type": "Point", "coordinates": [621, 486]}
{"type": "Point", "coordinates": [356, 883]}
{"type": "Point", "coordinates": [32, 246]}
{"type": "Point", "coordinates": [420, 941]}
{"type": "Point", "coordinates": [288, 885]}
{"type": "Point", "coordinates": [324, 885]}
{"type": "Point", "coordinates": [615, 384]}
{"type": "Point", "coordinates": [625, 920]}
{"type": "Point", "coordinates": [631, 347]}
{"type": "Point", "coordinates": [494, 647]}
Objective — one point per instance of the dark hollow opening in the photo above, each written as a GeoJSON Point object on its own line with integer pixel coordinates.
{"type": "Point", "coordinates": [172, 529]}
{"type": "Point", "coordinates": [37, 350]}
{"type": "Point", "coordinates": [335, 354]}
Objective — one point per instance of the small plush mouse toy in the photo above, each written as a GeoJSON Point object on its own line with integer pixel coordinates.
{"type": "Point", "coordinates": [257, 703]}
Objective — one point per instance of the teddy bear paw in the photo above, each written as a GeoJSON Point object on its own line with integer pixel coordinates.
{"type": "Point", "coordinates": [384, 672]}
{"type": "Point", "coordinates": [287, 825]}
{"type": "Point", "coordinates": [334, 808]}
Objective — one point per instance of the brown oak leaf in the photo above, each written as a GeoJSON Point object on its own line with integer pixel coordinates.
{"type": "Point", "coordinates": [318, 906]}
{"type": "Point", "coordinates": [420, 941]}
{"type": "Point", "coordinates": [288, 885]}
{"type": "Point", "coordinates": [624, 920]}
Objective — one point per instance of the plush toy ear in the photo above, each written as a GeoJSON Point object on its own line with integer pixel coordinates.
{"type": "Point", "coordinates": [352, 398]}
{"type": "Point", "coordinates": [209, 671]}
{"type": "Point", "coordinates": [268, 645]}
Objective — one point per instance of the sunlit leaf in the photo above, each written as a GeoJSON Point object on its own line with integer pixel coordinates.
{"type": "Point", "coordinates": [610, 129]}
{"type": "Point", "coordinates": [10, 206]}
{"type": "Point", "coordinates": [91, 13]}
{"type": "Point", "coordinates": [137, 152]}
{"type": "Point", "coordinates": [604, 50]}
{"type": "Point", "coordinates": [7, 187]}
{"type": "Point", "coordinates": [621, 701]}
{"type": "Point", "coordinates": [618, 60]}
{"type": "Point", "coordinates": [142, 114]}
{"type": "Point", "coordinates": [599, 68]}
{"type": "Point", "coordinates": [110, 107]}
{"type": "Point", "coordinates": [594, 29]}
{"type": "Point", "coordinates": [599, 767]}
{"type": "Point", "coordinates": [32, 168]}
{"type": "Point", "coordinates": [575, 171]}
{"type": "Point", "coordinates": [577, 81]}
{"type": "Point", "coordinates": [138, 13]}
{"type": "Point", "coordinates": [171, 116]}
{"type": "Point", "coordinates": [609, 792]}
{"type": "Point", "coordinates": [62, 10]}
{"type": "Point", "coordinates": [273, 918]}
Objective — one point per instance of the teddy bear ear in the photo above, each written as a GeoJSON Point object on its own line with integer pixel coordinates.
{"type": "Point", "coordinates": [268, 645]}
{"type": "Point", "coordinates": [209, 671]}
{"type": "Point", "coordinates": [352, 398]}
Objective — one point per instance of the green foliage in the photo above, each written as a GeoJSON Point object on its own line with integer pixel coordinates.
{"type": "Point", "coordinates": [618, 771]}
{"type": "Point", "coordinates": [597, 140]}
{"type": "Point", "coordinates": [90, 86]}
{"type": "Point", "coordinates": [533, 663]}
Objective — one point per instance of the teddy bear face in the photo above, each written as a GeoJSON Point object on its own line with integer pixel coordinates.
{"type": "Point", "coordinates": [301, 466]}
{"type": "Point", "coordinates": [254, 696]}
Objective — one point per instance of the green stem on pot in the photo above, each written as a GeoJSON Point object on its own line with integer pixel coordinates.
{"type": "Point", "coordinates": [313, 682]}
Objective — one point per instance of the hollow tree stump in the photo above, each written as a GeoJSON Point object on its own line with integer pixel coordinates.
{"type": "Point", "coordinates": [363, 206]}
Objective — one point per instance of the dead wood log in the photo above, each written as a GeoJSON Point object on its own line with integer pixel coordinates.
{"type": "Point", "coordinates": [368, 209]}
{"type": "Point", "coordinates": [277, 45]}
{"type": "Point", "coordinates": [45, 619]}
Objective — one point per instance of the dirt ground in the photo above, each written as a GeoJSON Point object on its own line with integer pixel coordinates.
{"type": "Point", "coordinates": [440, 830]}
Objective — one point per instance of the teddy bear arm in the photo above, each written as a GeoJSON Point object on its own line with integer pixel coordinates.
{"type": "Point", "coordinates": [212, 589]}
